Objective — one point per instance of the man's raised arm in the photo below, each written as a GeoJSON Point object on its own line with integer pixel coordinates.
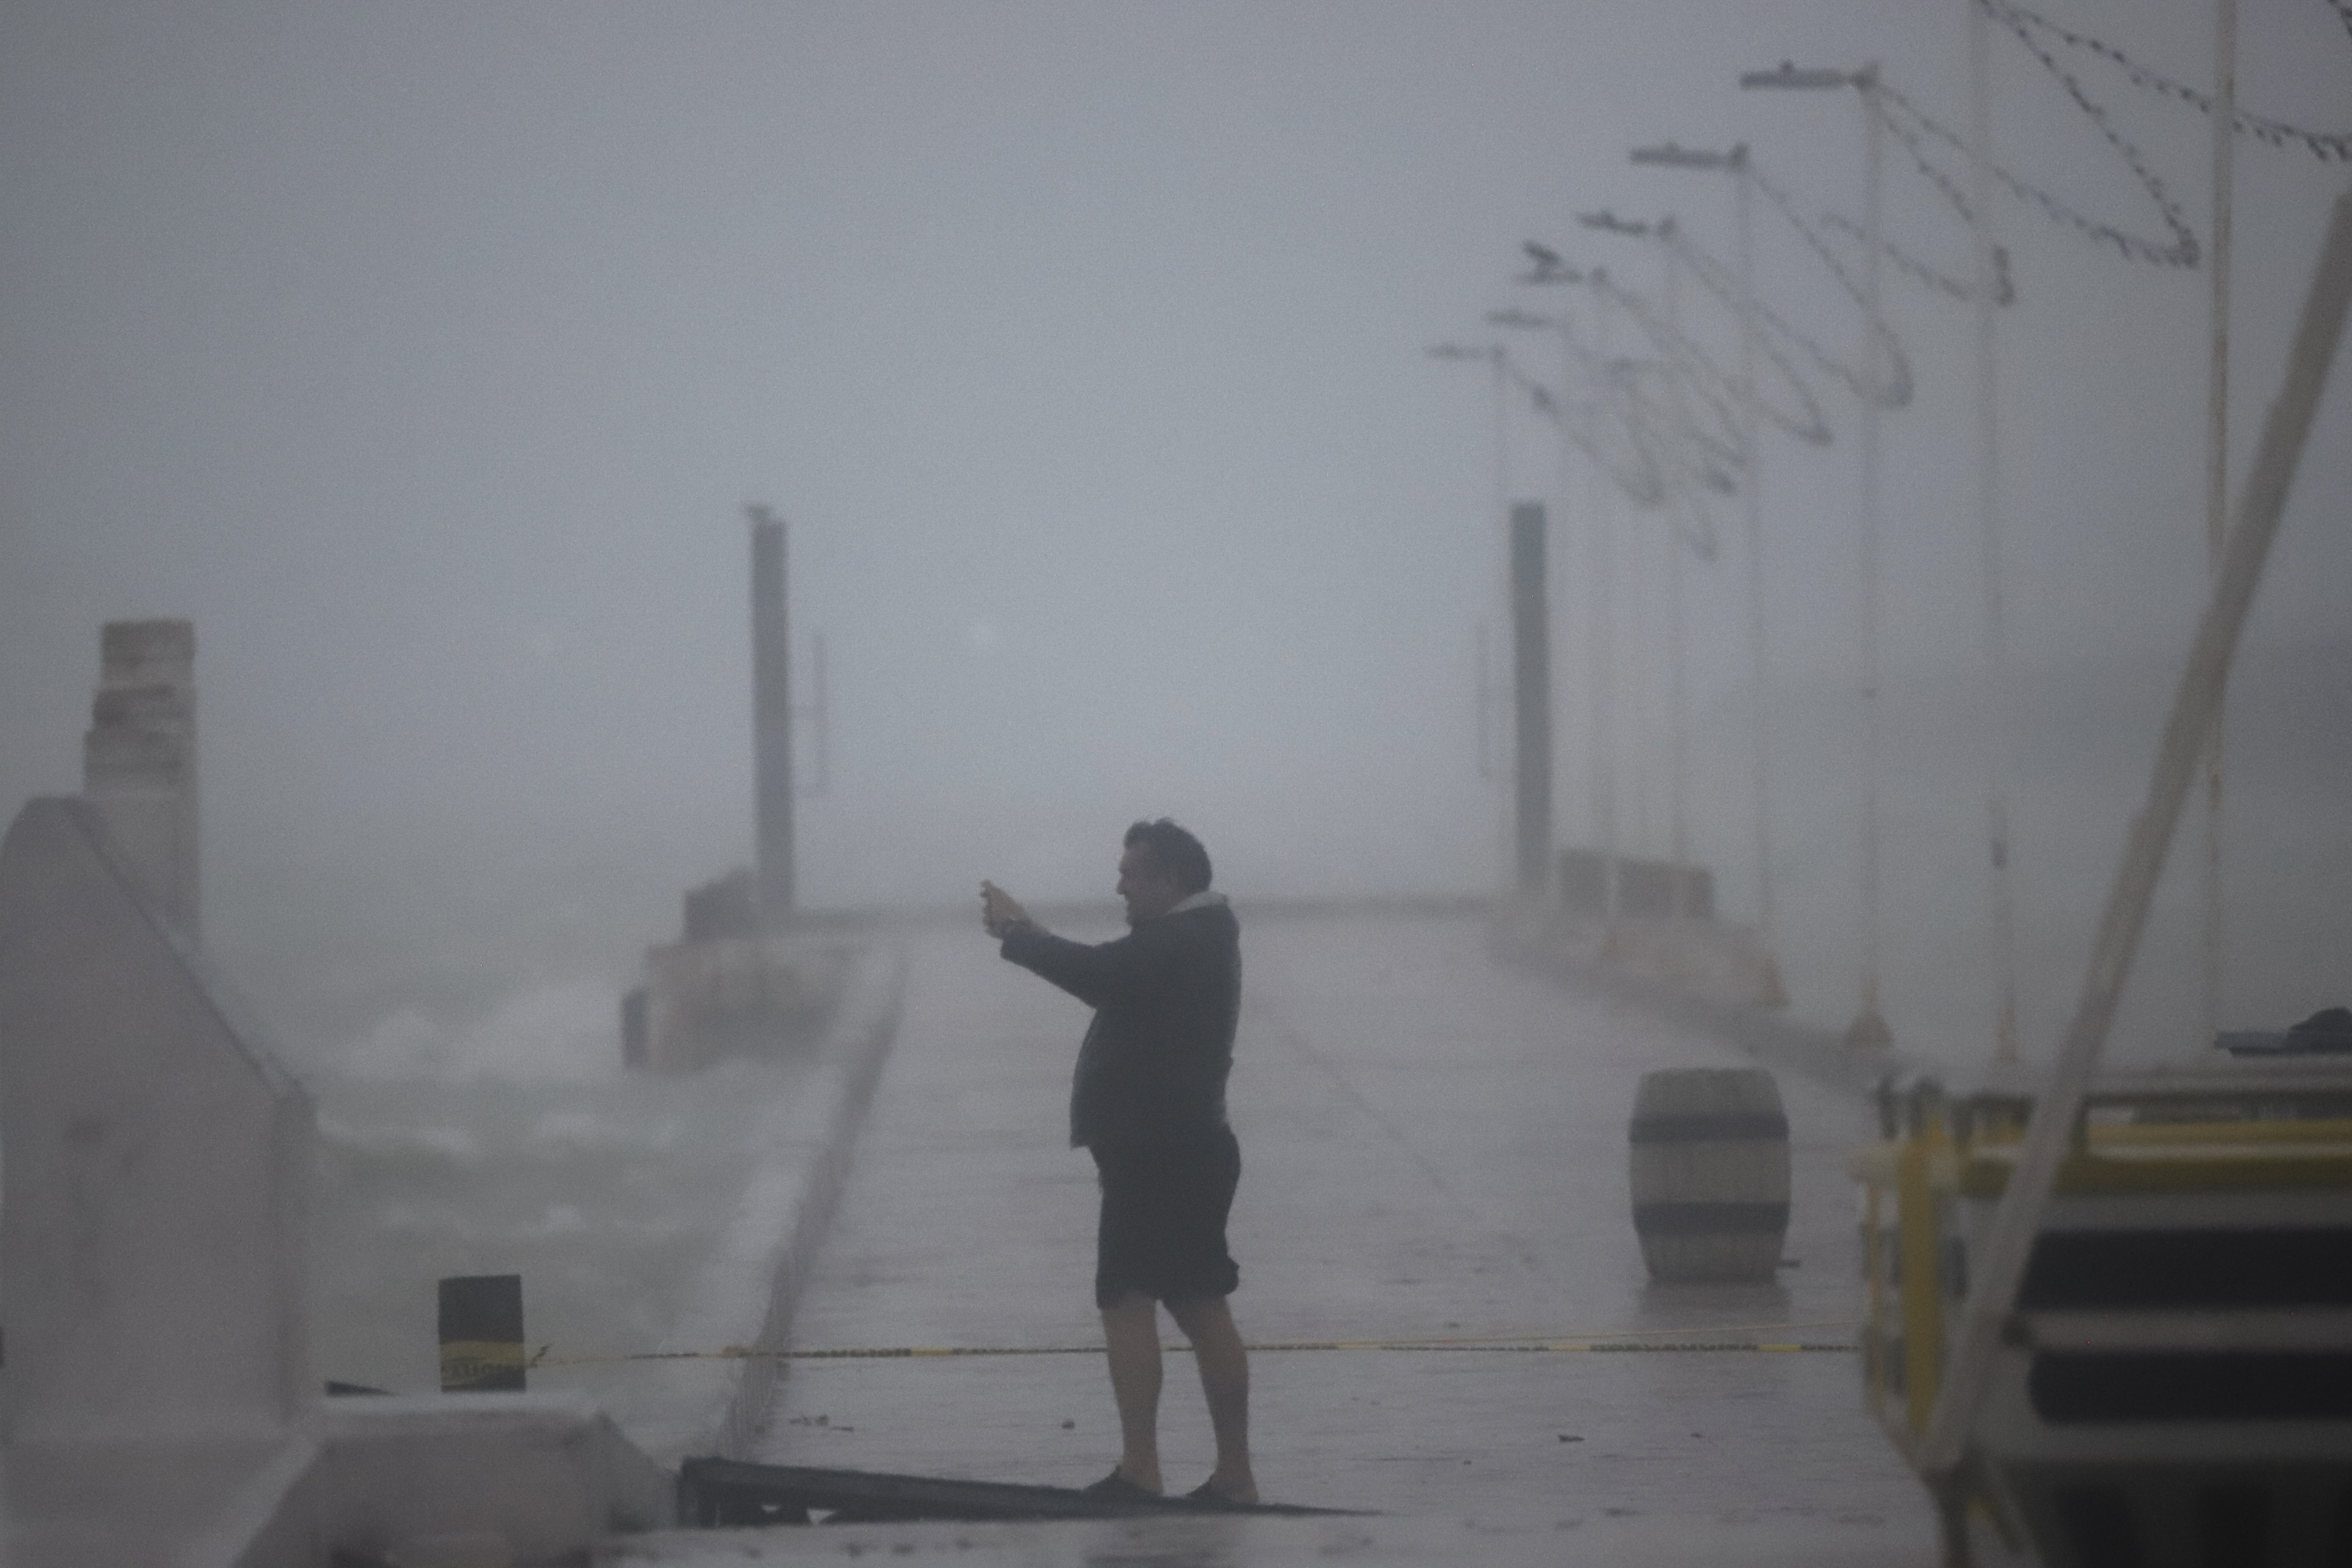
{"type": "Point", "coordinates": [1093, 974]}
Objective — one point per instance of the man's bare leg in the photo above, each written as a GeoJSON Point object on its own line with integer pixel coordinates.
{"type": "Point", "coordinates": [1208, 1323]}
{"type": "Point", "coordinates": [1131, 1336]}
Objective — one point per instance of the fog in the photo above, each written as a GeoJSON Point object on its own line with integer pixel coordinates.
{"type": "Point", "coordinates": [425, 356]}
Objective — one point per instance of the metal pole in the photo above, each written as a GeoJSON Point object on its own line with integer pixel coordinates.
{"type": "Point", "coordinates": [1998, 1266]}
{"type": "Point", "coordinates": [1560, 585]}
{"type": "Point", "coordinates": [2213, 948]}
{"type": "Point", "coordinates": [1869, 1026]}
{"type": "Point", "coordinates": [1502, 537]}
{"type": "Point", "coordinates": [1531, 692]}
{"type": "Point", "coordinates": [1632, 642]}
{"type": "Point", "coordinates": [1486, 743]}
{"type": "Point", "coordinates": [1602, 627]}
{"type": "Point", "coordinates": [1482, 696]}
{"type": "Point", "coordinates": [771, 716]}
{"type": "Point", "coordinates": [1989, 524]}
{"type": "Point", "coordinates": [1752, 501]}
{"type": "Point", "coordinates": [1600, 763]}
{"type": "Point", "coordinates": [1678, 656]}
{"type": "Point", "coordinates": [821, 711]}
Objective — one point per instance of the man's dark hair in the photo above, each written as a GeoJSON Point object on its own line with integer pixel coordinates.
{"type": "Point", "coordinates": [1174, 851]}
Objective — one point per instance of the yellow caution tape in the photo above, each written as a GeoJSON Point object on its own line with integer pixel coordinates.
{"type": "Point", "coordinates": [1613, 1341]}
{"type": "Point", "coordinates": [465, 1362]}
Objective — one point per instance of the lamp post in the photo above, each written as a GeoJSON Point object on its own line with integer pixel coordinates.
{"type": "Point", "coordinates": [1499, 373]}
{"type": "Point", "coordinates": [1868, 1029]}
{"type": "Point", "coordinates": [1600, 622]}
{"type": "Point", "coordinates": [2217, 465]}
{"type": "Point", "coordinates": [1601, 759]}
{"type": "Point", "coordinates": [1677, 629]}
{"type": "Point", "coordinates": [1985, 300]}
{"type": "Point", "coordinates": [1670, 155]}
{"type": "Point", "coordinates": [1638, 664]}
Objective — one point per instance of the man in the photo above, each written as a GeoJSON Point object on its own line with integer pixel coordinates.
{"type": "Point", "coordinates": [1148, 1102]}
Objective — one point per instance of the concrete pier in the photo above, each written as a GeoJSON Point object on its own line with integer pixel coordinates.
{"type": "Point", "coordinates": [1433, 1148]}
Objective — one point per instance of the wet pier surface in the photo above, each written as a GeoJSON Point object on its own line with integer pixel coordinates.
{"type": "Point", "coordinates": [1433, 1148]}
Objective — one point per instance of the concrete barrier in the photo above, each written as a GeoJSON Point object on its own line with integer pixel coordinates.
{"type": "Point", "coordinates": [476, 1478]}
{"type": "Point", "coordinates": [1741, 1006]}
{"type": "Point", "coordinates": [1713, 962]}
{"type": "Point", "coordinates": [157, 1158]}
{"type": "Point", "coordinates": [161, 1407]}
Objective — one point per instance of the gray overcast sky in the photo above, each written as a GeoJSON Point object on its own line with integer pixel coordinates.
{"type": "Point", "coordinates": [425, 354]}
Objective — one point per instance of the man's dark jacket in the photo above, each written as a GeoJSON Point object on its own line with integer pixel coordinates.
{"type": "Point", "coordinates": [1166, 998]}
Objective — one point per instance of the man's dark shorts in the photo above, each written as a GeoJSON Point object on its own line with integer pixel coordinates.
{"type": "Point", "coordinates": [1163, 1232]}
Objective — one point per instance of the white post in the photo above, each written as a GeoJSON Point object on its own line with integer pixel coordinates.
{"type": "Point", "coordinates": [1869, 1026]}
{"type": "Point", "coordinates": [1563, 575]}
{"type": "Point", "coordinates": [2214, 947]}
{"type": "Point", "coordinates": [1499, 526]}
{"type": "Point", "coordinates": [1752, 501]}
{"type": "Point", "coordinates": [1988, 526]}
{"type": "Point", "coordinates": [1602, 627]}
{"type": "Point", "coordinates": [1678, 637]}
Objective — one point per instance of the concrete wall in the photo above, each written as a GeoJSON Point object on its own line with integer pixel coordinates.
{"type": "Point", "coordinates": [157, 1163]}
{"type": "Point", "coordinates": [156, 1166]}
{"type": "Point", "coordinates": [160, 1405]}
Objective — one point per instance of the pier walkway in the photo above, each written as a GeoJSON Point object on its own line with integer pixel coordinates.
{"type": "Point", "coordinates": [1434, 1150]}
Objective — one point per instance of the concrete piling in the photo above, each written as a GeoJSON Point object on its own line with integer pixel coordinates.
{"type": "Point", "coordinates": [772, 715]}
{"type": "Point", "coordinates": [480, 1321]}
{"type": "Point", "coordinates": [139, 759]}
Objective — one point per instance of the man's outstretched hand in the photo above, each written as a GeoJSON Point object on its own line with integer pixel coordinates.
{"type": "Point", "coordinates": [1000, 912]}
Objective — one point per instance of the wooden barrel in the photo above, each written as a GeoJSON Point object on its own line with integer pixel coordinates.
{"type": "Point", "coordinates": [1710, 1167]}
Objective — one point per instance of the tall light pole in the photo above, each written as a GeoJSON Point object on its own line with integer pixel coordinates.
{"type": "Point", "coordinates": [1600, 619]}
{"type": "Point", "coordinates": [1678, 639]}
{"type": "Point", "coordinates": [1868, 1029]}
{"type": "Point", "coordinates": [2217, 465]}
{"type": "Point", "coordinates": [1499, 373]}
{"type": "Point", "coordinates": [1760, 654]}
{"type": "Point", "coordinates": [1985, 300]}
{"type": "Point", "coordinates": [1678, 850]}
{"type": "Point", "coordinates": [1638, 660]}
{"type": "Point", "coordinates": [1600, 763]}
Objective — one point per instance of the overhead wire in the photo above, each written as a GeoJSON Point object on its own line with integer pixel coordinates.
{"type": "Point", "coordinates": [2027, 25]}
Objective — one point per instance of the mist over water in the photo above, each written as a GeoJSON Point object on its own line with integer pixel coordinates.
{"type": "Point", "coordinates": [604, 1191]}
